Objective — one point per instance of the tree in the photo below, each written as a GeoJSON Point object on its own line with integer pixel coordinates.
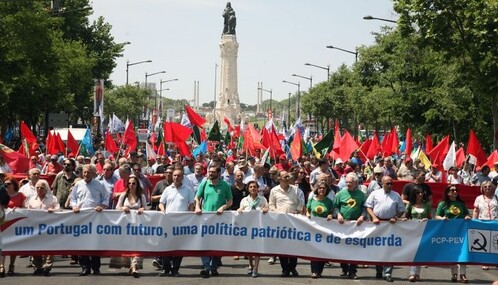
{"type": "Point", "coordinates": [126, 101]}
{"type": "Point", "coordinates": [465, 31]}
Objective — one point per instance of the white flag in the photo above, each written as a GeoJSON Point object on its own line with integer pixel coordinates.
{"type": "Point", "coordinates": [414, 154]}
{"type": "Point", "coordinates": [185, 121]}
{"type": "Point", "coordinates": [265, 156]}
{"type": "Point", "coordinates": [117, 125]}
{"type": "Point", "coordinates": [450, 158]}
{"type": "Point", "coordinates": [149, 151]}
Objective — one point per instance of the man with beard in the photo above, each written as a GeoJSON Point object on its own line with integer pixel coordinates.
{"type": "Point", "coordinates": [213, 195]}
{"type": "Point", "coordinates": [63, 181]}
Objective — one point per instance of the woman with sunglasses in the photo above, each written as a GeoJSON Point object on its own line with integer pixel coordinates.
{"type": "Point", "coordinates": [486, 205]}
{"type": "Point", "coordinates": [17, 200]}
{"type": "Point", "coordinates": [453, 207]}
{"type": "Point", "coordinates": [419, 209]}
{"type": "Point", "coordinates": [133, 198]}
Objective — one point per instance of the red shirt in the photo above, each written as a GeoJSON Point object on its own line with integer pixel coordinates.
{"type": "Point", "coordinates": [17, 201]}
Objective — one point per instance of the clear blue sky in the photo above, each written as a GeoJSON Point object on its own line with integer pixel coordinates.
{"type": "Point", "coordinates": [276, 38]}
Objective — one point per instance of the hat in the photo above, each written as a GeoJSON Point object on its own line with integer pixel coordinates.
{"type": "Point", "coordinates": [282, 157]}
{"type": "Point", "coordinates": [87, 158]}
{"type": "Point", "coordinates": [378, 170]}
{"type": "Point", "coordinates": [338, 161]}
{"type": "Point", "coordinates": [408, 159]}
{"type": "Point", "coordinates": [54, 157]}
{"type": "Point", "coordinates": [151, 159]}
{"type": "Point", "coordinates": [251, 158]}
{"type": "Point", "coordinates": [242, 163]}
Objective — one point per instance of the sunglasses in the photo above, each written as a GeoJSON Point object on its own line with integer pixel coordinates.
{"type": "Point", "coordinates": [388, 183]}
{"type": "Point", "coordinates": [132, 183]}
{"type": "Point", "coordinates": [453, 190]}
{"type": "Point", "coordinates": [8, 183]}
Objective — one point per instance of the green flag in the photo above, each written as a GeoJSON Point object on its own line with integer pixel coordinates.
{"type": "Point", "coordinates": [196, 134]}
{"type": "Point", "coordinates": [214, 133]}
{"type": "Point", "coordinates": [227, 139]}
{"type": "Point", "coordinates": [325, 142]}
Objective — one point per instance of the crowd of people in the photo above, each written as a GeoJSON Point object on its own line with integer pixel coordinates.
{"type": "Point", "coordinates": [354, 191]}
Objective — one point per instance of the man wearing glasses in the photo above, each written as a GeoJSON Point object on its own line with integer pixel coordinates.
{"type": "Point", "coordinates": [385, 205]}
{"type": "Point", "coordinates": [419, 180]}
{"type": "Point", "coordinates": [284, 198]}
{"type": "Point", "coordinates": [29, 189]}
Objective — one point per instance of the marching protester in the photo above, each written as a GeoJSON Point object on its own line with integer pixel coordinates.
{"type": "Point", "coordinates": [213, 195]}
{"type": "Point", "coordinates": [453, 207]}
{"type": "Point", "coordinates": [253, 202]}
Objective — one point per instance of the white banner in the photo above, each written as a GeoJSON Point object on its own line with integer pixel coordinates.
{"type": "Point", "coordinates": [155, 233]}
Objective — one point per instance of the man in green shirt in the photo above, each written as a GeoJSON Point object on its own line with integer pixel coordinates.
{"type": "Point", "coordinates": [349, 204]}
{"type": "Point", "coordinates": [212, 195]}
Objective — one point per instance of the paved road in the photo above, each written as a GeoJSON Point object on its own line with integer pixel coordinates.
{"type": "Point", "coordinates": [233, 272]}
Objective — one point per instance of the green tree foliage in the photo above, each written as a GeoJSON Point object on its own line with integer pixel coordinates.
{"type": "Point", "coordinates": [50, 61]}
{"type": "Point", "coordinates": [126, 101]}
{"type": "Point", "coordinates": [464, 31]}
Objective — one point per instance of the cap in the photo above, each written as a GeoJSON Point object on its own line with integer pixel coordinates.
{"type": "Point", "coordinates": [151, 159]}
{"type": "Point", "coordinates": [282, 157]}
{"type": "Point", "coordinates": [251, 158]}
{"type": "Point", "coordinates": [408, 159]}
{"type": "Point", "coordinates": [242, 163]}
{"type": "Point", "coordinates": [378, 170]}
{"type": "Point", "coordinates": [338, 161]}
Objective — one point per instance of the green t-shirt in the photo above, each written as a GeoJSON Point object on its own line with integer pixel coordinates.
{"type": "Point", "coordinates": [455, 210]}
{"type": "Point", "coordinates": [214, 196]}
{"type": "Point", "coordinates": [350, 203]}
{"type": "Point", "coordinates": [418, 213]}
{"type": "Point", "coordinates": [320, 208]}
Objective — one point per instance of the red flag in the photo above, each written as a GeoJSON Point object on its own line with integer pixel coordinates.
{"type": "Point", "coordinates": [364, 149]}
{"type": "Point", "coordinates": [439, 152]}
{"type": "Point", "coordinates": [29, 137]}
{"type": "Point", "coordinates": [203, 135]}
{"type": "Point", "coordinates": [183, 149]}
{"type": "Point", "coordinates": [395, 141]}
{"type": "Point", "coordinates": [175, 132]}
{"type": "Point", "coordinates": [337, 141]}
{"type": "Point", "coordinates": [270, 140]}
{"type": "Point", "coordinates": [492, 158]}
{"type": "Point", "coordinates": [130, 138]}
{"type": "Point", "coordinates": [160, 150]}
{"type": "Point", "coordinates": [348, 145]}
{"type": "Point", "coordinates": [428, 143]}
{"type": "Point", "coordinates": [387, 144]}
{"type": "Point", "coordinates": [227, 121]}
{"type": "Point", "coordinates": [475, 151]}
{"type": "Point", "coordinates": [296, 146]}
{"type": "Point", "coordinates": [18, 162]}
{"type": "Point", "coordinates": [251, 140]}
{"type": "Point", "coordinates": [460, 157]}
{"type": "Point", "coordinates": [50, 143]}
{"type": "Point", "coordinates": [374, 148]}
{"type": "Point", "coordinates": [72, 144]}
{"type": "Point", "coordinates": [60, 144]}
{"type": "Point", "coordinates": [110, 144]}
{"type": "Point", "coordinates": [194, 118]}
{"type": "Point", "coordinates": [408, 143]}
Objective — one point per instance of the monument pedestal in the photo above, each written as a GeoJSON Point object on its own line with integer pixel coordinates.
{"type": "Point", "coordinates": [227, 102]}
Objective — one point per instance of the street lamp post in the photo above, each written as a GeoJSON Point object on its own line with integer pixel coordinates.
{"type": "Point", "coordinates": [288, 111]}
{"type": "Point", "coordinates": [161, 87]}
{"type": "Point", "coordinates": [368, 17]}
{"type": "Point", "coordinates": [147, 75]}
{"type": "Point", "coordinates": [271, 93]}
{"type": "Point", "coordinates": [345, 50]}
{"type": "Point", "coordinates": [128, 64]}
{"type": "Point", "coordinates": [159, 106]}
{"type": "Point", "coordinates": [321, 67]}
{"type": "Point", "coordinates": [298, 96]}
{"type": "Point", "coordinates": [304, 77]}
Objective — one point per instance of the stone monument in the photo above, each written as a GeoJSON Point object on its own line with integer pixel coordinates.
{"type": "Point", "coordinates": [227, 101]}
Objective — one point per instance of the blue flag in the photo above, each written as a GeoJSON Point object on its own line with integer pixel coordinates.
{"type": "Point", "coordinates": [201, 149]}
{"type": "Point", "coordinates": [87, 143]}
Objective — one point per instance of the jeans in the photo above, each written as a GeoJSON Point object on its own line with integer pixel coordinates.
{"type": "Point", "coordinates": [90, 262]}
{"type": "Point", "coordinates": [210, 262]}
{"type": "Point", "coordinates": [349, 268]}
{"type": "Point", "coordinates": [172, 263]}
{"type": "Point", "coordinates": [317, 267]}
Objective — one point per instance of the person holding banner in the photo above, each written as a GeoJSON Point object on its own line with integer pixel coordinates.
{"type": "Point", "coordinates": [418, 208]}
{"type": "Point", "coordinates": [453, 207]}
{"type": "Point", "coordinates": [4, 202]}
{"type": "Point", "coordinates": [177, 197]}
{"type": "Point", "coordinates": [486, 205]}
{"type": "Point", "coordinates": [319, 206]}
{"type": "Point", "coordinates": [133, 198]}
{"type": "Point", "coordinates": [385, 205]}
{"type": "Point", "coordinates": [285, 198]}
{"type": "Point", "coordinates": [213, 195]}
{"type": "Point", "coordinates": [253, 202]}
{"type": "Point", "coordinates": [43, 200]}
{"type": "Point", "coordinates": [89, 193]}
{"type": "Point", "coordinates": [349, 203]}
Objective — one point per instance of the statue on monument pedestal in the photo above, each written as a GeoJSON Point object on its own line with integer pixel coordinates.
{"type": "Point", "coordinates": [230, 20]}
